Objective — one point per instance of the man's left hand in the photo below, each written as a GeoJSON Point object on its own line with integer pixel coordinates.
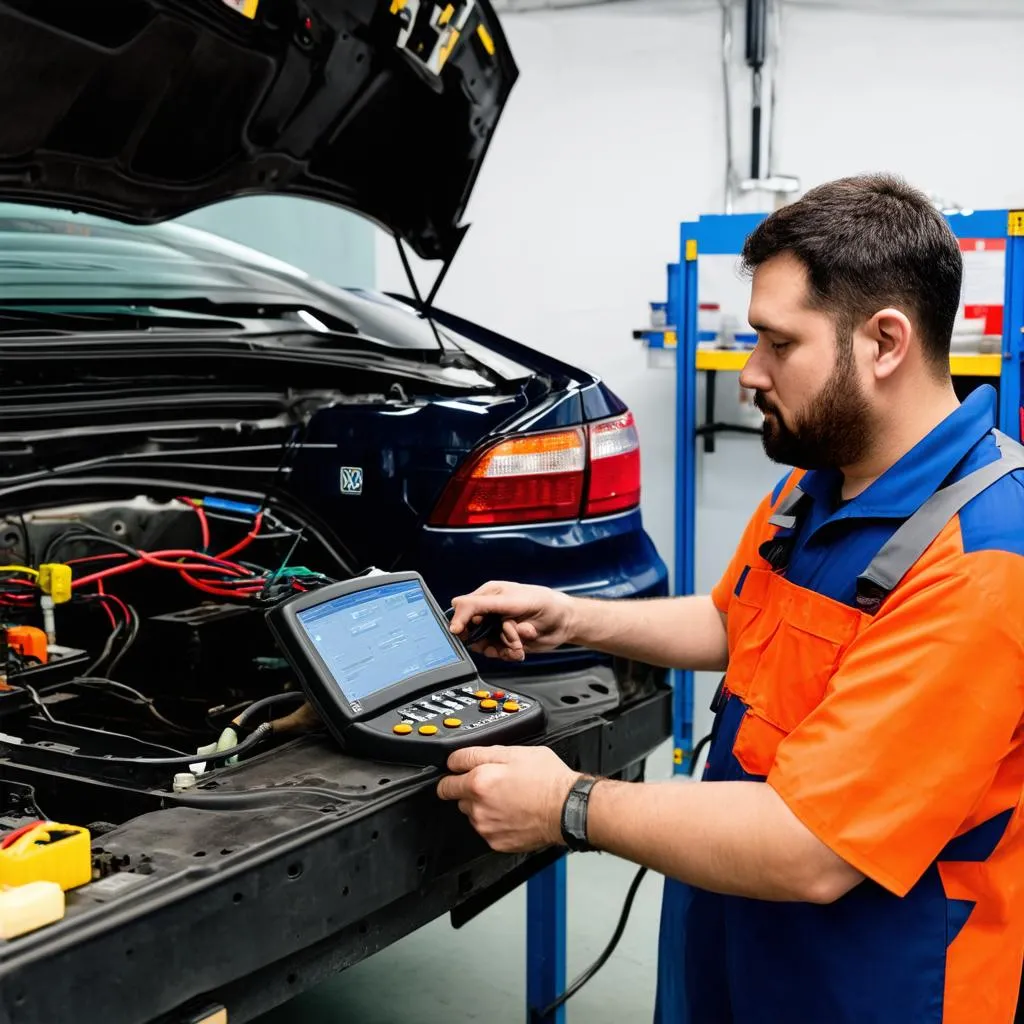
{"type": "Point", "coordinates": [513, 796]}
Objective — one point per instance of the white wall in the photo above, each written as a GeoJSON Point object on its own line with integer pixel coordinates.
{"type": "Point", "coordinates": [614, 134]}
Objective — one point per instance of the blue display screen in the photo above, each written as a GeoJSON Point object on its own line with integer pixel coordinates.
{"type": "Point", "coordinates": [378, 637]}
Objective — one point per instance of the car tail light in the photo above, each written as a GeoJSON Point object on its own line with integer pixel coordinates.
{"type": "Point", "coordinates": [614, 466]}
{"type": "Point", "coordinates": [522, 480]}
{"type": "Point", "coordinates": [544, 477]}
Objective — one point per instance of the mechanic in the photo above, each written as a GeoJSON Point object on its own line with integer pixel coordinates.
{"type": "Point", "coordinates": [853, 854]}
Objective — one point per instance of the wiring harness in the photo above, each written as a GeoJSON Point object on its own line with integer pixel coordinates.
{"type": "Point", "coordinates": [35, 589]}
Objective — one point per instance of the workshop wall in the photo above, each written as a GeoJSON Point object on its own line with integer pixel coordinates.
{"type": "Point", "coordinates": [614, 133]}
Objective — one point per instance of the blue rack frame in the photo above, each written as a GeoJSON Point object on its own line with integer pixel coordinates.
{"type": "Point", "coordinates": [724, 234]}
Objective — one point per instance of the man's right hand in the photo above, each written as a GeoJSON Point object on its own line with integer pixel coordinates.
{"type": "Point", "coordinates": [533, 618]}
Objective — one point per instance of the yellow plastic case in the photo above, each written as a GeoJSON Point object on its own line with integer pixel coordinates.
{"type": "Point", "coordinates": [47, 851]}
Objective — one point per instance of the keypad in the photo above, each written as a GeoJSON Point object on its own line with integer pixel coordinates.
{"type": "Point", "coordinates": [467, 708]}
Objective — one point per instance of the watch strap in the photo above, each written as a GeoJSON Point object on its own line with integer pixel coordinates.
{"type": "Point", "coordinates": [574, 814]}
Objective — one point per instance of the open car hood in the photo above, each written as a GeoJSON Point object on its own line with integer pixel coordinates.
{"type": "Point", "coordinates": [143, 110]}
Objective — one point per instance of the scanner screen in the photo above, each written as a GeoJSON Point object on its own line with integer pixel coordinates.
{"type": "Point", "coordinates": [375, 638]}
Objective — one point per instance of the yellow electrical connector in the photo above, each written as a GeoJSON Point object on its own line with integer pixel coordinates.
{"type": "Point", "coordinates": [55, 580]}
{"type": "Point", "coordinates": [47, 851]}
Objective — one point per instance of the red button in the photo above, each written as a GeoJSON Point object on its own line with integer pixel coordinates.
{"type": "Point", "coordinates": [498, 695]}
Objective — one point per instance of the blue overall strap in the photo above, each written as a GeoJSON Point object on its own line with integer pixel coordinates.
{"type": "Point", "coordinates": [899, 554]}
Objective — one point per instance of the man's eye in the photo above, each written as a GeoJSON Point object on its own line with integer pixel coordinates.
{"type": "Point", "coordinates": [778, 346]}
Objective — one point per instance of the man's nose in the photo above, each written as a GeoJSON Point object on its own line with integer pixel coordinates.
{"type": "Point", "coordinates": [754, 374]}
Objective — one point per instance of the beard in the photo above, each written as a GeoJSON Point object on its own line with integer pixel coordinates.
{"type": "Point", "coordinates": [832, 431]}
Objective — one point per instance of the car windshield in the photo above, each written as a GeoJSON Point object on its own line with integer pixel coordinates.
{"type": "Point", "coordinates": [292, 263]}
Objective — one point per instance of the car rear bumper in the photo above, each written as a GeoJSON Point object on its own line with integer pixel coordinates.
{"type": "Point", "coordinates": [310, 862]}
{"type": "Point", "coordinates": [611, 557]}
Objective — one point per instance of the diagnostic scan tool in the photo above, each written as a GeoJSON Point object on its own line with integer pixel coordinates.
{"type": "Point", "coordinates": [377, 660]}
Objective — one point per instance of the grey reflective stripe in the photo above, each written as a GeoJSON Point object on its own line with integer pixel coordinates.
{"type": "Point", "coordinates": [786, 514]}
{"type": "Point", "coordinates": [910, 541]}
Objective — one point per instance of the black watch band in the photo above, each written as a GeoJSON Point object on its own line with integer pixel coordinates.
{"type": "Point", "coordinates": [574, 814]}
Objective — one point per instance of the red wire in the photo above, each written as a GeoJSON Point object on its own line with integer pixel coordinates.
{"type": "Point", "coordinates": [209, 589]}
{"type": "Point", "coordinates": [12, 837]}
{"type": "Point", "coordinates": [102, 598]}
{"type": "Point", "coordinates": [158, 559]}
{"type": "Point", "coordinates": [124, 608]}
{"type": "Point", "coordinates": [211, 563]}
{"type": "Point", "coordinates": [247, 539]}
{"type": "Point", "coordinates": [204, 523]}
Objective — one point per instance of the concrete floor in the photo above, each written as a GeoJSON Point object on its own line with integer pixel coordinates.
{"type": "Point", "coordinates": [415, 980]}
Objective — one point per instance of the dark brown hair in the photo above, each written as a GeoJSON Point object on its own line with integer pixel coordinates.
{"type": "Point", "coordinates": [869, 242]}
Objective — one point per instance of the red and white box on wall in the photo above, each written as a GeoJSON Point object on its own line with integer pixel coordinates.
{"type": "Point", "coordinates": [979, 322]}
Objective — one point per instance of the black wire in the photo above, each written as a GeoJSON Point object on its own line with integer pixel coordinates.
{"type": "Point", "coordinates": [107, 648]}
{"type": "Point", "coordinates": [185, 761]}
{"type": "Point", "coordinates": [620, 928]}
{"type": "Point", "coordinates": [85, 728]}
{"type": "Point", "coordinates": [697, 750]}
{"type": "Point", "coordinates": [110, 685]}
{"type": "Point", "coordinates": [88, 532]}
{"type": "Point", "coordinates": [27, 539]}
{"type": "Point", "coordinates": [266, 702]}
{"type": "Point", "coordinates": [607, 952]}
{"type": "Point", "coordinates": [133, 634]}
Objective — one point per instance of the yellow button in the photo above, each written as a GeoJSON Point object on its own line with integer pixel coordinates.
{"type": "Point", "coordinates": [428, 730]}
{"type": "Point", "coordinates": [403, 729]}
{"type": "Point", "coordinates": [510, 705]}
{"type": "Point", "coordinates": [481, 694]}
{"type": "Point", "coordinates": [488, 705]}
{"type": "Point", "coordinates": [452, 723]}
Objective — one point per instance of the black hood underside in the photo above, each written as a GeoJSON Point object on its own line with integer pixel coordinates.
{"type": "Point", "coordinates": [143, 110]}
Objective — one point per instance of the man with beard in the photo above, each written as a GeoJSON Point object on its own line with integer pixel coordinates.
{"type": "Point", "coordinates": [855, 852]}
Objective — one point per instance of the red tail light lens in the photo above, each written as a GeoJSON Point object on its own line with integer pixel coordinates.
{"type": "Point", "coordinates": [614, 466]}
{"type": "Point", "coordinates": [522, 480]}
{"type": "Point", "coordinates": [544, 477]}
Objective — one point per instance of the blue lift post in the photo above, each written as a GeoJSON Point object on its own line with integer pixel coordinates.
{"type": "Point", "coordinates": [1010, 420]}
{"type": "Point", "coordinates": [723, 234]}
{"type": "Point", "coordinates": [545, 943]}
{"type": "Point", "coordinates": [683, 313]}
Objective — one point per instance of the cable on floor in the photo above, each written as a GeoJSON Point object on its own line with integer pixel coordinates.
{"type": "Point", "coordinates": [620, 928]}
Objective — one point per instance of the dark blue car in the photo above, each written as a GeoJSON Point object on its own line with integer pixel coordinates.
{"type": "Point", "coordinates": [437, 446]}
{"type": "Point", "coordinates": [191, 431]}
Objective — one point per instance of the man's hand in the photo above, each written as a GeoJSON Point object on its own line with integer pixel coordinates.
{"type": "Point", "coordinates": [676, 632]}
{"type": "Point", "coordinates": [513, 796]}
{"type": "Point", "coordinates": [534, 618]}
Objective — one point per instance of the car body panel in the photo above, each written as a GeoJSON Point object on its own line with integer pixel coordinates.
{"type": "Point", "coordinates": [306, 857]}
{"type": "Point", "coordinates": [151, 108]}
{"type": "Point", "coordinates": [400, 428]}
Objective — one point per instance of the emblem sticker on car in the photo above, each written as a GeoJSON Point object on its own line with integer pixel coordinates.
{"type": "Point", "coordinates": [351, 480]}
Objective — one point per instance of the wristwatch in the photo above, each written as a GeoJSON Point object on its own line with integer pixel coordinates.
{"type": "Point", "coordinates": [574, 814]}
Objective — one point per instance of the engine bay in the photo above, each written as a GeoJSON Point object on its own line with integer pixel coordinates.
{"type": "Point", "coordinates": [134, 640]}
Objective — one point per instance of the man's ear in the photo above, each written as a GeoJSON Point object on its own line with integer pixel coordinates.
{"type": "Point", "coordinates": [890, 331]}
